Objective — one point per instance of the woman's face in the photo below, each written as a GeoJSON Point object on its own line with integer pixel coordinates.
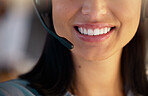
{"type": "Point", "coordinates": [97, 28]}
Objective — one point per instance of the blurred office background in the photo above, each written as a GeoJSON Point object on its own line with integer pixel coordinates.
{"type": "Point", "coordinates": [21, 38]}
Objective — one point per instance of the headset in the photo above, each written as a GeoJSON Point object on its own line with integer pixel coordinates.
{"type": "Point", "coordinates": [43, 8]}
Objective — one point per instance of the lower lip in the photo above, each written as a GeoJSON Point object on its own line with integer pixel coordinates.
{"type": "Point", "coordinates": [97, 38]}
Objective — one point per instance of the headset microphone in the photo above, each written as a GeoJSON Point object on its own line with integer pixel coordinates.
{"type": "Point", "coordinates": [62, 40]}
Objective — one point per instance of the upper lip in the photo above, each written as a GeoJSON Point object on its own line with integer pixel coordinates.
{"type": "Point", "coordinates": [94, 25]}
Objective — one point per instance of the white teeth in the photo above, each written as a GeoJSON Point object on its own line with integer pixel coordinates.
{"type": "Point", "coordinates": [105, 30]}
{"type": "Point", "coordinates": [81, 30]}
{"type": "Point", "coordinates": [90, 32]}
{"type": "Point", "coordinates": [85, 31]}
{"type": "Point", "coordinates": [108, 29]}
{"type": "Point", "coordinates": [96, 31]}
{"type": "Point", "coordinates": [102, 31]}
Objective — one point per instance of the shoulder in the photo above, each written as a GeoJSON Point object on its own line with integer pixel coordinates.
{"type": "Point", "coordinates": [17, 87]}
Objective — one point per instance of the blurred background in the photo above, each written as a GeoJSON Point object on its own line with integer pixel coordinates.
{"type": "Point", "coordinates": [22, 38]}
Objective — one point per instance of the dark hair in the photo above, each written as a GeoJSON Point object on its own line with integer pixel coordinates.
{"type": "Point", "coordinates": [133, 64]}
{"type": "Point", "coordinates": [54, 72]}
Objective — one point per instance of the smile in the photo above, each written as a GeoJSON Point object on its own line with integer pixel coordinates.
{"type": "Point", "coordinates": [94, 32]}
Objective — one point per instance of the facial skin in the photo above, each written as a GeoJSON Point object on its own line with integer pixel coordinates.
{"type": "Point", "coordinates": [123, 14]}
{"type": "Point", "coordinates": [97, 63]}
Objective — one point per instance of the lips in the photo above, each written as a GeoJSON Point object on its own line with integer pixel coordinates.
{"type": "Point", "coordinates": [94, 32]}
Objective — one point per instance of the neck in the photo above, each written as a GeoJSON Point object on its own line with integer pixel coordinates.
{"type": "Point", "coordinates": [98, 78]}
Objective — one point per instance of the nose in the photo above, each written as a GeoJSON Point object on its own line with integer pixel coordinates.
{"type": "Point", "coordinates": [94, 9]}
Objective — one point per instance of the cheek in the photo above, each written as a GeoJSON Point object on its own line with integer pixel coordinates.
{"type": "Point", "coordinates": [59, 19]}
{"type": "Point", "coordinates": [129, 21]}
{"type": "Point", "coordinates": [62, 14]}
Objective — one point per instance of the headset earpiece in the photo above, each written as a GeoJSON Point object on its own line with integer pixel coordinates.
{"type": "Point", "coordinates": [43, 6]}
